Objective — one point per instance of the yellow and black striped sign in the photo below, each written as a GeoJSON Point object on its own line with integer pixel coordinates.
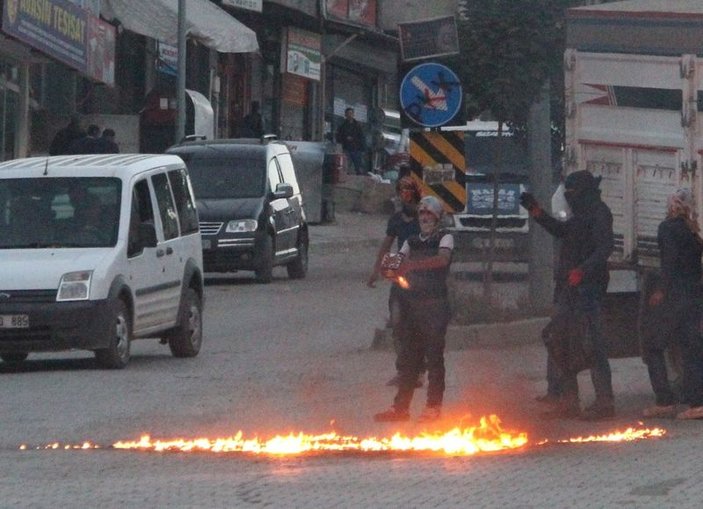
{"type": "Point", "coordinates": [429, 150]}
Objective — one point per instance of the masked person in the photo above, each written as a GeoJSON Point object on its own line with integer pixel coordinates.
{"type": "Point", "coordinates": [424, 313]}
{"type": "Point", "coordinates": [401, 225]}
{"type": "Point", "coordinates": [674, 310]}
{"type": "Point", "coordinates": [581, 283]}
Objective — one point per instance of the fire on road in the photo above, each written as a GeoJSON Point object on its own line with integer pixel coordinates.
{"type": "Point", "coordinates": [488, 436]}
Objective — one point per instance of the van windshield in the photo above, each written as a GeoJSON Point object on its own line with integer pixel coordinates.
{"type": "Point", "coordinates": [58, 212]}
{"type": "Point", "coordinates": [227, 177]}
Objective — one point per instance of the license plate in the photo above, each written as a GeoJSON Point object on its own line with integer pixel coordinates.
{"type": "Point", "coordinates": [14, 321]}
{"type": "Point", "coordinates": [207, 243]}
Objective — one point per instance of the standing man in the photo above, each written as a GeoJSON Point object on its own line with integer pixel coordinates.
{"type": "Point", "coordinates": [424, 313]}
{"type": "Point", "coordinates": [581, 283]}
{"type": "Point", "coordinates": [402, 225]}
{"type": "Point", "coordinates": [88, 144]}
{"type": "Point", "coordinates": [107, 144]}
{"type": "Point", "coordinates": [66, 136]}
{"type": "Point", "coordinates": [351, 136]}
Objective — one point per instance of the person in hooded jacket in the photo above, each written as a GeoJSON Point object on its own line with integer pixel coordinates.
{"type": "Point", "coordinates": [424, 313]}
{"type": "Point", "coordinates": [581, 282]}
{"type": "Point", "coordinates": [674, 310]}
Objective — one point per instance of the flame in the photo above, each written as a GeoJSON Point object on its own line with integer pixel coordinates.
{"type": "Point", "coordinates": [487, 437]}
{"type": "Point", "coordinates": [403, 283]}
{"type": "Point", "coordinates": [628, 435]}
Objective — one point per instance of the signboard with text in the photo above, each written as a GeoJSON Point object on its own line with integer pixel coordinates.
{"type": "Point", "coordinates": [303, 53]}
{"type": "Point", "coordinates": [65, 32]}
{"type": "Point", "coordinates": [428, 38]}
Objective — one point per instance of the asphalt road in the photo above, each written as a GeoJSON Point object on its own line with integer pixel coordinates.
{"type": "Point", "coordinates": [295, 356]}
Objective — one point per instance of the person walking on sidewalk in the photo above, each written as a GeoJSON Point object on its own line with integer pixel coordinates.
{"type": "Point", "coordinates": [351, 136]}
{"type": "Point", "coordinates": [674, 310]}
{"type": "Point", "coordinates": [424, 313]}
{"type": "Point", "coordinates": [401, 225]}
{"type": "Point", "coordinates": [581, 283]}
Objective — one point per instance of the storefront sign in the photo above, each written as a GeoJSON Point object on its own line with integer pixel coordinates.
{"type": "Point", "coordinates": [65, 32]}
{"type": "Point", "coordinates": [167, 60]}
{"type": "Point", "coordinates": [357, 12]}
{"type": "Point", "coordinates": [303, 53]}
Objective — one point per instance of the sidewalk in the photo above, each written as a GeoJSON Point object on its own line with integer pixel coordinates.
{"type": "Point", "coordinates": [356, 230]}
{"type": "Point", "coordinates": [350, 230]}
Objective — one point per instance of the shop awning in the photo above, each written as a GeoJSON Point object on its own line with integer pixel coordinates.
{"type": "Point", "coordinates": [205, 22]}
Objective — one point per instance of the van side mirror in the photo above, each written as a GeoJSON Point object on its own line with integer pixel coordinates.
{"type": "Point", "coordinates": [147, 235]}
{"type": "Point", "coordinates": [283, 190]}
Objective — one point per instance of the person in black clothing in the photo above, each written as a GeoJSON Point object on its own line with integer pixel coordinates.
{"type": "Point", "coordinates": [401, 225]}
{"type": "Point", "coordinates": [581, 283]}
{"type": "Point", "coordinates": [424, 313]}
{"type": "Point", "coordinates": [252, 124]}
{"type": "Point", "coordinates": [674, 310]}
{"type": "Point", "coordinates": [88, 144]}
{"type": "Point", "coordinates": [107, 143]}
{"type": "Point", "coordinates": [351, 136]}
{"type": "Point", "coordinates": [66, 136]}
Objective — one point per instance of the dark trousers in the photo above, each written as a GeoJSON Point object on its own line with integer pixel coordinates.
{"type": "Point", "coordinates": [677, 324]}
{"type": "Point", "coordinates": [586, 302]}
{"type": "Point", "coordinates": [423, 327]}
{"type": "Point", "coordinates": [357, 159]}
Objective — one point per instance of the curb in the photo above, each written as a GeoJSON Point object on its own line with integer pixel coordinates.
{"type": "Point", "coordinates": [336, 246]}
{"type": "Point", "coordinates": [466, 337]}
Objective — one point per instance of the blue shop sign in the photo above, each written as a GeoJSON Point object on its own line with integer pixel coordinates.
{"type": "Point", "coordinates": [430, 94]}
{"type": "Point", "coordinates": [65, 32]}
{"type": "Point", "coordinates": [479, 199]}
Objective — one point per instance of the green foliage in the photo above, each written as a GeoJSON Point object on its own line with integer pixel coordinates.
{"type": "Point", "coordinates": [509, 48]}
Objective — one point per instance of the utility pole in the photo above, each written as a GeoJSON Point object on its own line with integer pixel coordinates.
{"type": "Point", "coordinates": [181, 73]}
{"type": "Point", "coordinates": [541, 264]}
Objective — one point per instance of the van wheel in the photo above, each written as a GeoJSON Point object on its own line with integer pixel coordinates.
{"type": "Point", "coordinates": [298, 268]}
{"type": "Point", "coordinates": [14, 357]}
{"type": "Point", "coordinates": [116, 355]}
{"type": "Point", "coordinates": [265, 271]}
{"type": "Point", "coordinates": [187, 338]}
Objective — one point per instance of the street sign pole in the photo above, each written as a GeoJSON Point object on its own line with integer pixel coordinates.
{"type": "Point", "coordinates": [181, 73]}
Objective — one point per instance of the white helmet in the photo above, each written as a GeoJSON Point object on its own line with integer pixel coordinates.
{"type": "Point", "coordinates": [432, 205]}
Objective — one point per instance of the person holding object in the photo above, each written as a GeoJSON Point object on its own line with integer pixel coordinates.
{"type": "Point", "coordinates": [424, 313]}
{"type": "Point", "coordinates": [401, 225]}
{"type": "Point", "coordinates": [351, 136]}
{"type": "Point", "coordinates": [581, 283]}
{"type": "Point", "coordinates": [674, 310]}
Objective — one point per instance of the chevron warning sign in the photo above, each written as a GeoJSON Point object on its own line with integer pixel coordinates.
{"type": "Point", "coordinates": [437, 160]}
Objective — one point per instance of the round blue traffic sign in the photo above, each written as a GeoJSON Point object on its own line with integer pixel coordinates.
{"type": "Point", "coordinates": [430, 94]}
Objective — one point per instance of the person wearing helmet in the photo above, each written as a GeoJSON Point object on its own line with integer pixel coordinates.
{"type": "Point", "coordinates": [581, 282]}
{"type": "Point", "coordinates": [424, 313]}
{"type": "Point", "coordinates": [401, 225]}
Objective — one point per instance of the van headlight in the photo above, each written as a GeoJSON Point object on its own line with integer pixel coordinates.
{"type": "Point", "coordinates": [241, 226]}
{"type": "Point", "coordinates": [75, 286]}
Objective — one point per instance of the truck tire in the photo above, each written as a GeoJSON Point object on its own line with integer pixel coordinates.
{"type": "Point", "coordinates": [264, 273]}
{"type": "Point", "coordinates": [187, 338]}
{"type": "Point", "coordinates": [117, 353]}
{"type": "Point", "coordinates": [298, 268]}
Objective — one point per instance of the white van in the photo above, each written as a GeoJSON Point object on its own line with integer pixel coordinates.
{"type": "Point", "coordinates": [97, 250]}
